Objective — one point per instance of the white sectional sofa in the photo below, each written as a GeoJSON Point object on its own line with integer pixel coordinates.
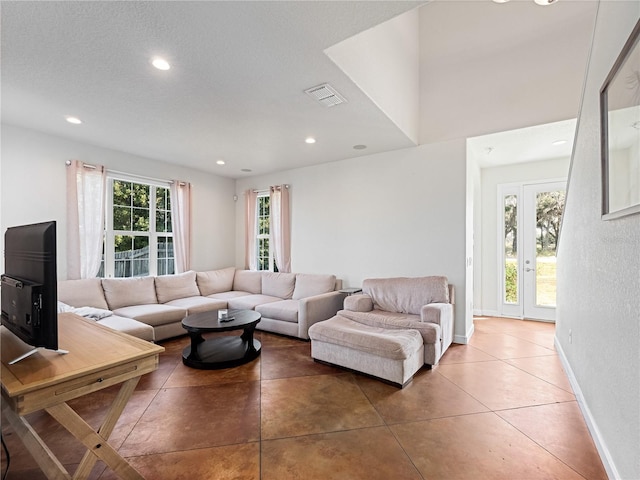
{"type": "Point", "coordinates": [153, 307]}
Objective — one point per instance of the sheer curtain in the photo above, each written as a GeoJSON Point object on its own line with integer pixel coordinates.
{"type": "Point", "coordinates": [279, 226]}
{"type": "Point", "coordinates": [250, 259]}
{"type": "Point", "coordinates": [181, 223]}
{"type": "Point", "coordinates": [86, 186]}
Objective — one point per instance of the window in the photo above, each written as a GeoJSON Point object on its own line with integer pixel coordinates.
{"type": "Point", "coordinates": [138, 233]}
{"type": "Point", "coordinates": [264, 247]}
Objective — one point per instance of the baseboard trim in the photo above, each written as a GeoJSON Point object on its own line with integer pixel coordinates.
{"type": "Point", "coordinates": [464, 339]}
{"type": "Point", "coordinates": [601, 446]}
{"type": "Point", "coordinates": [487, 313]}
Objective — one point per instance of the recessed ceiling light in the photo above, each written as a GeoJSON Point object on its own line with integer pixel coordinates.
{"type": "Point", "coordinates": [545, 2]}
{"type": "Point", "coordinates": [74, 120]}
{"type": "Point", "coordinates": [160, 63]}
{"type": "Point", "coordinates": [500, 1]}
{"type": "Point", "coordinates": [359, 147]}
{"type": "Point", "coordinates": [559, 142]}
{"type": "Point", "coordinates": [220, 162]}
{"type": "Point", "coordinates": [310, 140]}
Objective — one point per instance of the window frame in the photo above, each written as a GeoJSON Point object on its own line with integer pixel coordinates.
{"type": "Point", "coordinates": [262, 236]}
{"type": "Point", "coordinates": [152, 234]}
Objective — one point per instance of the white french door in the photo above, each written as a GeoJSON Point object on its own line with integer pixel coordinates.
{"type": "Point", "coordinates": [529, 227]}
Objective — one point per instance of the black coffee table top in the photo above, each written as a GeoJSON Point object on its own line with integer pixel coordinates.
{"type": "Point", "coordinates": [208, 321]}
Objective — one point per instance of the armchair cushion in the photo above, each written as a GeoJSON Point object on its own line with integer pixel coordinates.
{"type": "Point", "coordinates": [358, 303]}
{"type": "Point", "coordinates": [406, 295]}
{"type": "Point", "coordinates": [430, 332]}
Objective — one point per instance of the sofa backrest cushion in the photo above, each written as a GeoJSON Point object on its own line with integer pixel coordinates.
{"type": "Point", "coordinates": [406, 295]}
{"type": "Point", "coordinates": [215, 281]}
{"type": "Point", "coordinates": [279, 285]}
{"type": "Point", "coordinates": [172, 287]}
{"type": "Point", "coordinates": [126, 292]}
{"type": "Point", "coordinates": [247, 281]}
{"type": "Point", "coordinates": [86, 292]}
{"type": "Point", "coordinates": [309, 284]}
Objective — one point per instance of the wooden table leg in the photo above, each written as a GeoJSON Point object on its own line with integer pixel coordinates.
{"type": "Point", "coordinates": [109, 423]}
{"type": "Point", "coordinates": [44, 457]}
{"type": "Point", "coordinates": [95, 442]}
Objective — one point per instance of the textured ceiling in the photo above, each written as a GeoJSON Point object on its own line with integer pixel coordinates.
{"type": "Point", "coordinates": [239, 70]}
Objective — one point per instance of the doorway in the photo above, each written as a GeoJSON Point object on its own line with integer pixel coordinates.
{"type": "Point", "coordinates": [529, 230]}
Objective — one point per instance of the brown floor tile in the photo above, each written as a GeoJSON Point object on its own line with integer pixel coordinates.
{"type": "Point", "coordinates": [500, 386]}
{"type": "Point", "coordinates": [318, 404]}
{"type": "Point", "coordinates": [504, 346]}
{"type": "Point", "coordinates": [560, 429]}
{"type": "Point", "coordinates": [477, 447]}
{"type": "Point", "coordinates": [183, 376]}
{"type": "Point", "coordinates": [464, 354]}
{"type": "Point", "coordinates": [292, 361]}
{"type": "Point", "coordinates": [237, 462]}
{"type": "Point", "coordinates": [197, 417]}
{"type": "Point", "coordinates": [547, 368]}
{"type": "Point", "coordinates": [366, 454]}
{"type": "Point", "coordinates": [156, 379]}
{"type": "Point", "coordinates": [429, 395]}
{"type": "Point", "coordinates": [270, 340]}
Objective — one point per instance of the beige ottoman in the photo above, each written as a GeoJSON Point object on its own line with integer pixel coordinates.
{"type": "Point", "coordinates": [391, 355]}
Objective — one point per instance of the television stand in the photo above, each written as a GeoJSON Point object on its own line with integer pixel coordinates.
{"type": "Point", "coordinates": [31, 352]}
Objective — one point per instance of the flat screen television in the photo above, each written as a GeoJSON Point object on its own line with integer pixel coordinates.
{"type": "Point", "coordinates": [29, 285]}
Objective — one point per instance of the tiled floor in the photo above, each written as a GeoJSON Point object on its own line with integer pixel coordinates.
{"type": "Point", "coordinates": [499, 408]}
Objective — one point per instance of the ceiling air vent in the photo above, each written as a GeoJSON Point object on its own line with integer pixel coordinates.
{"type": "Point", "coordinates": [326, 95]}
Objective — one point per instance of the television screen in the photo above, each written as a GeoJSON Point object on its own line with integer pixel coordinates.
{"type": "Point", "coordinates": [29, 285]}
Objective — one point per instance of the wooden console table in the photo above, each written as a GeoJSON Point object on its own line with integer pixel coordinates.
{"type": "Point", "coordinates": [98, 357]}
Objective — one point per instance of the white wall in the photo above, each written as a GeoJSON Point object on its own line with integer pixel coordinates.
{"type": "Point", "coordinates": [491, 178]}
{"type": "Point", "coordinates": [33, 189]}
{"type": "Point", "coordinates": [599, 275]}
{"type": "Point", "coordinates": [399, 213]}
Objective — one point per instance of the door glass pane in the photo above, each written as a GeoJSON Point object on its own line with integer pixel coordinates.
{"type": "Point", "coordinates": [549, 207]}
{"type": "Point", "coordinates": [511, 293]}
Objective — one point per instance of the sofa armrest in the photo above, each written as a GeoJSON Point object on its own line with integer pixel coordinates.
{"type": "Point", "coordinates": [317, 308]}
{"type": "Point", "coordinates": [358, 303]}
{"type": "Point", "coordinates": [440, 313]}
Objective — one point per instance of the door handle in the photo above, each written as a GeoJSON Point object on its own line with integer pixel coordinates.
{"type": "Point", "coordinates": [527, 269]}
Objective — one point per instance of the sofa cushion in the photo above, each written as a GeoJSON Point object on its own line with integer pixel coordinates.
{"type": "Point", "coordinates": [394, 344]}
{"type": "Point", "coordinates": [154, 314]}
{"type": "Point", "coordinates": [215, 281]}
{"type": "Point", "coordinates": [130, 326]}
{"type": "Point", "coordinates": [86, 292]}
{"type": "Point", "coordinates": [125, 292]}
{"type": "Point", "coordinates": [171, 287]}
{"type": "Point", "coordinates": [277, 284]}
{"type": "Point", "coordinates": [198, 304]}
{"type": "Point", "coordinates": [406, 295]}
{"type": "Point", "coordinates": [247, 281]}
{"type": "Point", "coordinates": [249, 302]}
{"type": "Point", "coordinates": [308, 285]}
{"type": "Point", "coordinates": [285, 310]}
{"type": "Point", "coordinates": [227, 295]}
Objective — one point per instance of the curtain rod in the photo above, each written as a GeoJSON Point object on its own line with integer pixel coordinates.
{"type": "Point", "coordinates": [125, 174]}
{"type": "Point", "coordinates": [286, 185]}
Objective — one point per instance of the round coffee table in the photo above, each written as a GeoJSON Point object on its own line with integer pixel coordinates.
{"type": "Point", "coordinates": [220, 352]}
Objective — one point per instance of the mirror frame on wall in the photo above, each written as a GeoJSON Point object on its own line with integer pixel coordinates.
{"type": "Point", "coordinates": [614, 91]}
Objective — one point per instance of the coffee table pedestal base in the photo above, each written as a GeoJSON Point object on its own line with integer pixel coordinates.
{"type": "Point", "coordinates": [221, 352]}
